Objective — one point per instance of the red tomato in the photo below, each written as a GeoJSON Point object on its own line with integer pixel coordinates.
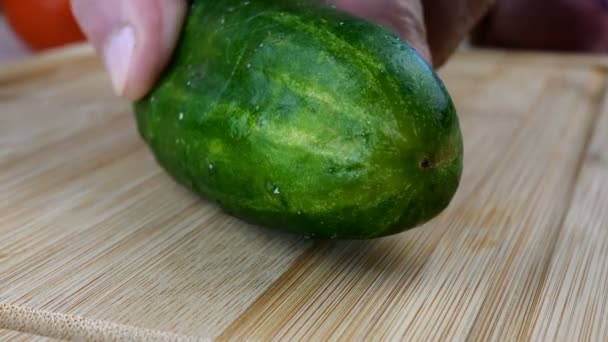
{"type": "Point", "coordinates": [42, 24]}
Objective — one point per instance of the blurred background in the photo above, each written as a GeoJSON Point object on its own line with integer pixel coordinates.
{"type": "Point", "coordinates": [30, 26]}
{"type": "Point", "coordinates": [11, 48]}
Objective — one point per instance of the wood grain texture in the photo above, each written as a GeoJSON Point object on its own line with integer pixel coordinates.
{"type": "Point", "coordinates": [482, 261]}
{"type": "Point", "coordinates": [573, 304]}
{"type": "Point", "coordinates": [90, 225]}
{"type": "Point", "coordinates": [16, 336]}
{"type": "Point", "coordinates": [93, 231]}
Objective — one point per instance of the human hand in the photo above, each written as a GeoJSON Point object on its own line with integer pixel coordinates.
{"type": "Point", "coordinates": [135, 38]}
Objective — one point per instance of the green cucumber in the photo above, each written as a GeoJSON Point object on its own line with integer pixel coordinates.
{"type": "Point", "coordinates": [295, 116]}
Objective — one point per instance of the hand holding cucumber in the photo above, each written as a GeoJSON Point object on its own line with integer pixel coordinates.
{"type": "Point", "coordinates": [137, 37]}
{"type": "Point", "coordinates": [292, 114]}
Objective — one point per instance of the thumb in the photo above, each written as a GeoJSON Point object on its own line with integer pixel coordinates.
{"type": "Point", "coordinates": [404, 17]}
{"type": "Point", "coordinates": [135, 38]}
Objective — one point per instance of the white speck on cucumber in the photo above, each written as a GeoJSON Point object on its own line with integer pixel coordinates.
{"type": "Point", "coordinates": [311, 236]}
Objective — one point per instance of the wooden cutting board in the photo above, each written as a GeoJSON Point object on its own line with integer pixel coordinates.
{"type": "Point", "coordinates": [97, 242]}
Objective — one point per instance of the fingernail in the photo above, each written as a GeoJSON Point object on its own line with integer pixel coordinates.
{"type": "Point", "coordinates": [118, 52]}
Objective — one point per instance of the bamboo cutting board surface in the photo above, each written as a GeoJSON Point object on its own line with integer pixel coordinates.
{"type": "Point", "coordinates": [97, 242]}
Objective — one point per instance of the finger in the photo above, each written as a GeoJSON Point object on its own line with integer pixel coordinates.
{"type": "Point", "coordinates": [135, 38]}
{"type": "Point", "coordinates": [449, 22]}
{"type": "Point", "coordinates": [404, 17]}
